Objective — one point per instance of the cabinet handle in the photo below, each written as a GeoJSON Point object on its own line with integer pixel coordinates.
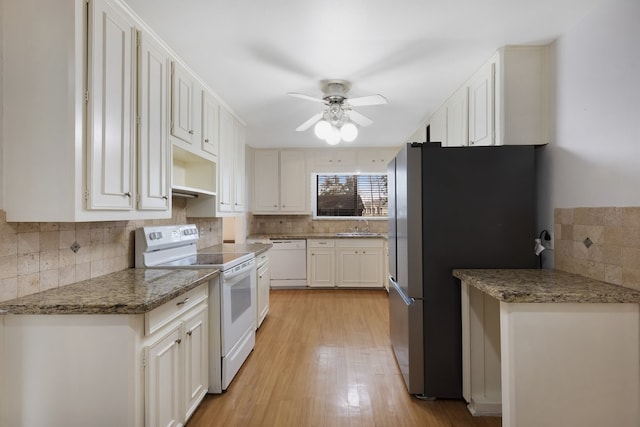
{"type": "Point", "coordinates": [183, 302]}
{"type": "Point", "coordinates": [178, 341]}
{"type": "Point", "coordinates": [128, 194]}
{"type": "Point", "coordinates": [191, 132]}
{"type": "Point", "coordinates": [189, 333]}
{"type": "Point", "coordinates": [275, 206]}
{"type": "Point", "coordinates": [470, 142]}
{"type": "Point", "coordinates": [165, 197]}
{"type": "Point", "coordinates": [284, 206]}
{"type": "Point", "coordinates": [206, 140]}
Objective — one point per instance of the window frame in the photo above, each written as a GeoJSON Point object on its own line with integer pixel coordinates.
{"type": "Point", "coordinates": [314, 197]}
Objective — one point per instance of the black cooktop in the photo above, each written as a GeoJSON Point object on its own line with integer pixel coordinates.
{"type": "Point", "coordinates": [209, 260]}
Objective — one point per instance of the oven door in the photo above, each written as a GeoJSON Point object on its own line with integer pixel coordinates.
{"type": "Point", "coordinates": [238, 307]}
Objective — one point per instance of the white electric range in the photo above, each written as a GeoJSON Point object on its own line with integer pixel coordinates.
{"type": "Point", "coordinates": [232, 301]}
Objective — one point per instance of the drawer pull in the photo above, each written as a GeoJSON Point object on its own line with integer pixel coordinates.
{"type": "Point", "coordinates": [189, 333]}
{"type": "Point", "coordinates": [179, 340]}
{"type": "Point", "coordinates": [183, 301]}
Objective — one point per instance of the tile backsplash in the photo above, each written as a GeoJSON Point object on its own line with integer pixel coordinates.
{"type": "Point", "coordinates": [38, 256]}
{"type": "Point", "coordinates": [600, 243]}
{"type": "Point", "coordinates": [270, 224]}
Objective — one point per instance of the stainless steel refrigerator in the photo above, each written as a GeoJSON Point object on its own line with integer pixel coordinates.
{"type": "Point", "coordinates": [450, 207]}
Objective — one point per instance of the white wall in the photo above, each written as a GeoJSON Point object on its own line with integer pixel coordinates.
{"type": "Point", "coordinates": [594, 157]}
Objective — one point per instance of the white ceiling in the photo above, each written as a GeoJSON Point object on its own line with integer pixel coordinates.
{"type": "Point", "coordinates": [414, 52]}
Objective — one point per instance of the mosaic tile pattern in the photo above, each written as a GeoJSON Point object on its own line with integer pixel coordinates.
{"type": "Point", "coordinates": [612, 256]}
{"type": "Point", "coordinates": [305, 225]}
{"type": "Point", "coordinates": [36, 257]}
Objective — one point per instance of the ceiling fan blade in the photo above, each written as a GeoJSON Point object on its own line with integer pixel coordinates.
{"type": "Point", "coordinates": [359, 118]}
{"type": "Point", "coordinates": [367, 100]}
{"type": "Point", "coordinates": [306, 125]}
{"type": "Point", "coordinates": [307, 97]}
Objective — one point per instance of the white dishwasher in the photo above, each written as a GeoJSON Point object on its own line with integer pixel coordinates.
{"type": "Point", "coordinates": [288, 259]}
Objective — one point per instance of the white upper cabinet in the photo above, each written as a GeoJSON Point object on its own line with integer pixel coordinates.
{"type": "Point", "coordinates": [80, 163]}
{"type": "Point", "coordinates": [111, 76]}
{"type": "Point", "coordinates": [266, 181]}
{"type": "Point", "coordinates": [456, 120]}
{"type": "Point", "coordinates": [231, 164]}
{"type": "Point", "coordinates": [210, 127]}
{"type": "Point", "coordinates": [373, 160]}
{"type": "Point", "coordinates": [280, 182]}
{"type": "Point", "coordinates": [154, 161]}
{"type": "Point", "coordinates": [504, 103]}
{"type": "Point", "coordinates": [481, 106]}
{"type": "Point", "coordinates": [239, 138]}
{"type": "Point", "coordinates": [185, 106]}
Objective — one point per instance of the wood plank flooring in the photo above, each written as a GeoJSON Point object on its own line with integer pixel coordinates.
{"type": "Point", "coordinates": [323, 358]}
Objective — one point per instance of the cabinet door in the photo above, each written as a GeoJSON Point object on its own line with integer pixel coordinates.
{"type": "Point", "coordinates": [196, 359]}
{"type": "Point", "coordinates": [348, 267]}
{"type": "Point", "coordinates": [238, 166]}
{"type": "Point", "coordinates": [264, 284]}
{"type": "Point", "coordinates": [225, 161]}
{"type": "Point", "coordinates": [321, 267]}
{"type": "Point", "coordinates": [163, 387]}
{"type": "Point", "coordinates": [293, 181]}
{"type": "Point", "coordinates": [371, 268]}
{"type": "Point", "coordinates": [153, 148]}
{"type": "Point", "coordinates": [458, 119]}
{"type": "Point", "coordinates": [481, 106]}
{"type": "Point", "coordinates": [266, 194]}
{"type": "Point", "coordinates": [110, 111]}
{"type": "Point", "coordinates": [185, 122]}
{"type": "Point", "coordinates": [210, 106]}
{"type": "Point", "coordinates": [438, 126]}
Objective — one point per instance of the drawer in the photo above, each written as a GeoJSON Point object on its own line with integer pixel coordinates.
{"type": "Point", "coordinates": [167, 312]}
{"type": "Point", "coordinates": [321, 243]}
{"type": "Point", "coordinates": [359, 243]}
{"type": "Point", "coordinates": [262, 259]}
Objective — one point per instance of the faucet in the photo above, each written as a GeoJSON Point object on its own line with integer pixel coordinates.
{"type": "Point", "coordinates": [366, 229]}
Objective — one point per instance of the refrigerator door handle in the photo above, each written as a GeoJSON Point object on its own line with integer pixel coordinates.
{"type": "Point", "coordinates": [407, 300]}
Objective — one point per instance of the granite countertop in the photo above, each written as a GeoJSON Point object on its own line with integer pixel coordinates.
{"type": "Point", "coordinates": [131, 291]}
{"type": "Point", "coordinates": [256, 248]}
{"type": "Point", "coordinates": [293, 236]}
{"type": "Point", "coordinates": [545, 286]}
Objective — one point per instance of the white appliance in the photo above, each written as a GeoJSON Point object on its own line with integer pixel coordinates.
{"type": "Point", "coordinates": [288, 258]}
{"type": "Point", "coordinates": [232, 301]}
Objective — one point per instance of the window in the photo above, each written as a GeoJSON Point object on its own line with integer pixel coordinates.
{"type": "Point", "coordinates": [349, 195]}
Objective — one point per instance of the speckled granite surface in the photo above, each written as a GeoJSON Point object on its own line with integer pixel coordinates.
{"type": "Point", "coordinates": [545, 286]}
{"type": "Point", "coordinates": [131, 291]}
{"type": "Point", "coordinates": [256, 248]}
{"type": "Point", "coordinates": [313, 236]}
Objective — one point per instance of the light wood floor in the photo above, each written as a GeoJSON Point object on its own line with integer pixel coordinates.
{"type": "Point", "coordinates": [323, 358]}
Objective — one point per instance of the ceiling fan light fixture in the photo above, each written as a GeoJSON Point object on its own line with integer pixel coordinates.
{"type": "Point", "coordinates": [322, 129]}
{"type": "Point", "coordinates": [333, 136]}
{"type": "Point", "coordinates": [348, 132]}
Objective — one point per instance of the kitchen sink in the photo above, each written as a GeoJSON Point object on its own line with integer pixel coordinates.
{"type": "Point", "coordinates": [357, 234]}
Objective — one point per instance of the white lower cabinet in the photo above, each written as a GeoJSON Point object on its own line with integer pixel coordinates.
{"type": "Point", "coordinates": [106, 370]}
{"type": "Point", "coordinates": [176, 360]}
{"type": "Point", "coordinates": [176, 370]}
{"type": "Point", "coordinates": [162, 374]}
{"type": "Point", "coordinates": [359, 263]}
{"type": "Point", "coordinates": [264, 284]}
{"type": "Point", "coordinates": [351, 263]}
{"type": "Point", "coordinates": [321, 263]}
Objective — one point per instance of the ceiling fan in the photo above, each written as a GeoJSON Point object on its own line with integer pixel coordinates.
{"type": "Point", "coordinates": [338, 120]}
